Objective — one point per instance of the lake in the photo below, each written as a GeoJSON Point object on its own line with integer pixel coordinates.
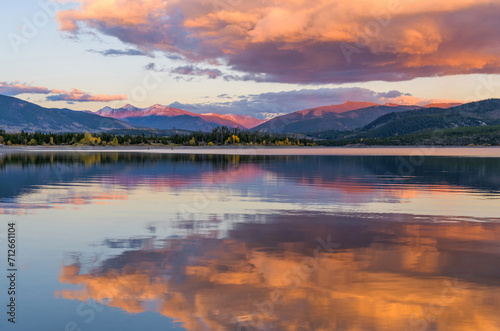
{"type": "Point", "coordinates": [152, 241]}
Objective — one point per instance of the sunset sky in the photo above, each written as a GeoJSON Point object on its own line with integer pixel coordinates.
{"type": "Point", "coordinates": [249, 57]}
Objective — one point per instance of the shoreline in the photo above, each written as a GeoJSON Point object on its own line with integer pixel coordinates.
{"type": "Point", "coordinates": [457, 151]}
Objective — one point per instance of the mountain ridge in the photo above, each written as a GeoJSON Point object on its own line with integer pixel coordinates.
{"type": "Point", "coordinates": [132, 114]}
{"type": "Point", "coordinates": [474, 114]}
{"type": "Point", "coordinates": [18, 115]}
{"type": "Point", "coordinates": [321, 118]}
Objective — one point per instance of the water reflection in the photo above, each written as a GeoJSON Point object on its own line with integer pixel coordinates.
{"type": "Point", "coordinates": [309, 272]}
{"type": "Point", "coordinates": [52, 180]}
{"type": "Point", "coordinates": [220, 242]}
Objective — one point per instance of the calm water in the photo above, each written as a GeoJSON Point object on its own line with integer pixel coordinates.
{"type": "Point", "coordinates": [124, 241]}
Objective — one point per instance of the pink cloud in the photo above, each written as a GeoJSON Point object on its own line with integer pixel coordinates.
{"type": "Point", "coordinates": [80, 96]}
{"type": "Point", "coordinates": [15, 88]}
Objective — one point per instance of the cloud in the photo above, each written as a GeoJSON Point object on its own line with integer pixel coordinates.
{"type": "Point", "coordinates": [74, 95]}
{"type": "Point", "coordinates": [173, 57]}
{"type": "Point", "coordinates": [188, 70]}
{"type": "Point", "coordinates": [186, 287]}
{"type": "Point", "coordinates": [79, 96]}
{"type": "Point", "coordinates": [412, 100]}
{"type": "Point", "coordinates": [212, 73]}
{"type": "Point", "coordinates": [118, 52]}
{"type": "Point", "coordinates": [195, 71]}
{"type": "Point", "coordinates": [267, 105]}
{"type": "Point", "coordinates": [151, 66]}
{"type": "Point", "coordinates": [327, 41]}
{"type": "Point", "coordinates": [15, 88]}
{"type": "Point", "coordinates": [248, 77]}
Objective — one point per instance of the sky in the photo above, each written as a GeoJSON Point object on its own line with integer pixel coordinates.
{"type": "Point", "coordinates": [260, 57]}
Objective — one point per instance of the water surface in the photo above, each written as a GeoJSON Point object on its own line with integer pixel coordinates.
{"type": "Point", "coordinates": [149, 241]}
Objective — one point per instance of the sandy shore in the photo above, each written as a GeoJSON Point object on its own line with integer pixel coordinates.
{"type": "Point", "coordinates": [247, 150]}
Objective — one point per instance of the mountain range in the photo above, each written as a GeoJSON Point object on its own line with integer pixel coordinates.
{"type": "Point", "coordinates": [164, 117]}
{"type": "Point", "coordinates": [475, 114]}
{"type": "Point", "coordinates": [347, 120]}
{"type": "Point", "coordinates": [347, 116]}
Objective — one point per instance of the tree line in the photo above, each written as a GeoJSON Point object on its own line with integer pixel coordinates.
{"type": "Point", "coordinates": [217, 136]}
{"type": "Point", "coordinates": [462, 136]}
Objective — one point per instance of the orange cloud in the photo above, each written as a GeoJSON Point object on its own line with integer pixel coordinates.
{"type": "Point", "coordinates": [411, 100]}
{"type": "Point", "coordinates": [301, 41]}
{"type": "Point", "coordinates": [116, 12]}
{"type": "Point", "coordinates": [391, 276]}
{"type": "Point", "coordinates": [15, 88]}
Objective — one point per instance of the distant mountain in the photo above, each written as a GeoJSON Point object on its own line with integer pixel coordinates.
{"type": "Point", "coordinates": [17, 115]}
{"type": "Point", "coordinates": [407, 107]}
{"type": "Point", "coordinates": [247, 121]}
{"type": "Point", "coordinates": [351, 119]}
{"type": "Point", "coordinates": [149, 132]}
{"type": "Point", "coordinates": [342, 108]}
{"type": "Point", "coordinates": [481, 113]}
{"type": "Point", "coordinates": [184, 122]}
{"type": "Point", "coordinates": [164, 117]}
{"type": "Point", "coordinates": [442, 105]}
{"type": "Point", "coordinates": [129, 111]}
{"type": "Point", "coordinates": [486, 112]}
{"type": "Point", "coordinates": [347, 116]}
